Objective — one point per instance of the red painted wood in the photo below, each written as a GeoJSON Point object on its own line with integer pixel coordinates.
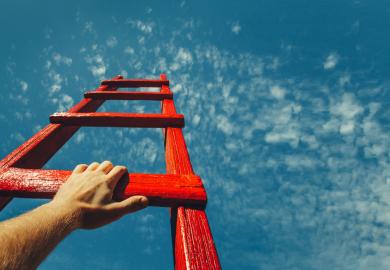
{"type": "Point", "coordinates": [111, 119]}
{"type": "Point", "coordinates": [192, 240]}
{"type": "Point", "coordinates": [161, 189]}
{"type": "Point", "coordinates": [36, 151]}
{"type": "Point", "coordinates": [194, 246]}
{"type": "Point", "coordinates": [134, 83]}
{"type": "Point", "coordinates": [122, 95]}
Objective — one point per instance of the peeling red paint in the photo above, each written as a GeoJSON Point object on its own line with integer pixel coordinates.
{"type": "Point", "coordinates": [161, 189]}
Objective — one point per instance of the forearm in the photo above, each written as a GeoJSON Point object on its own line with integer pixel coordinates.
{"type": "Point", "coordinates": [26, 240]}
{"type": "Point", "coordinates": [83, 201]}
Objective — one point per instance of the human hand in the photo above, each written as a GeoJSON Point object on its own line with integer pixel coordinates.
{"type": "Point", "coordinates": [87, 196]}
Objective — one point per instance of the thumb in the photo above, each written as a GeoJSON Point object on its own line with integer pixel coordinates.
{"type": "Point", "coordinates": [129, 205]}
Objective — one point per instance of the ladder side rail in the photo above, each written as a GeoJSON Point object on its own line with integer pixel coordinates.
{"type": "Point", "coordinates": [193, 244]}
{"type": "Point", "coordinates": [37, 150]}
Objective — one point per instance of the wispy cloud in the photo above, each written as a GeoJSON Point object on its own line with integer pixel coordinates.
{"type": "Point", "coordinates": [278, 92]}
{"type": "Point", "coordinates": [129, 50]}
{"type": "Point", "coordinates": [236, 28]}
{"type": "Point", "coordinates": [331, 61]}
{"type": "Point", "coordinates": [304, 160]}
{"type": "Point", "coordinates": [97, 66]}
{"type": "Point", "coordinates": [23, 85]}
{"type": "Point", "coordinates": [60, 59]}
{"type": "Point", "coordinates": [145, 27]}
{"type": "Point", "coordinates": [112, 42]}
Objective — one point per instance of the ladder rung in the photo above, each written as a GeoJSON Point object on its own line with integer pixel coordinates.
{"type": "Point", "coordinates": [133, 83]}
{"type": "Point", "coordinates": [122, 95]}
{"type": "Point", "coordinates": [166, 190]}
{"type": "Point", "coordinates": [112, 119]}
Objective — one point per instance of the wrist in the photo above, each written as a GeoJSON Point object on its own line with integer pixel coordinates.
{"type": "Point", "coordinates": [66, 213]}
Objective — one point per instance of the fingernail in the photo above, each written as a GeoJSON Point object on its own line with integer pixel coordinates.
{"type": "Point", "coordinates": [144, 201]}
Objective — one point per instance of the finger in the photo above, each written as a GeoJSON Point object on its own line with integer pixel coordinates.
{"type": "Point", "coordinates": [106, 166]}
{"type": "Point", "coordinates": [130, 205]}
{"type": "Point", "coordinates": [80, 168]}
{"type": "Point", "coordinates": [92, 166]}
{"type": "Point", "coordinates": [115, 174]}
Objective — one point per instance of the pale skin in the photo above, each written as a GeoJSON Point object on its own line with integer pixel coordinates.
{"type": "Point", "coordinates": [84, 201]}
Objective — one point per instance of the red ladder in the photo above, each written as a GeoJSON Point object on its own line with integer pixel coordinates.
{"type": "Point", "coordinates": [180, 188]}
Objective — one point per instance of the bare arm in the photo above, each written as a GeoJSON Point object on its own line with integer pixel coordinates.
{"type": "Point", "coordinates": [83, 201]}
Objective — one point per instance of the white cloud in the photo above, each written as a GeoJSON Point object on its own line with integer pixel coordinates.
{"type": "Point", "coordinates": [177, 88]}
{"type": "Point", "coordinates": [23, 116]}
{"type": "Point", "coordinates": [63, 101]}
{"type": "Point", "coordinates": [345, 79]}
{"type": "Point", "coordinates": [97, 66]}
{"type": "Point", "coordinates": [331, 61]}
{"type": "Point", "coordinates": [344, 112]}
{"type": "Point", "coordinates": [112, 42]}
{"type": "Point", "coordinates": [290, 136]}
{"type": "Point", "coordinates": [145, 27]}
{"type": "Point", "coordinates": [129, 50]}
{"type": "Point", "coordinates": [183, 58]}
{"type": "Point", "coordinates": [88, 27]}
{"type": "Point", "coordinates": [295, 162]}
{"type": "Point", "coordinates": [278, 92]}
{"type": "Point", "coordinates": [224, 124]}
{"type": "Point", "coordinates": [196, 119]}
{"type": "Point", "coordinates": [149, 150]}
{"type": "Point", "coordinates": [347, 108]}
{"type": "Point", "coordinates": [277, 162]}
{"type": "Point", "coordinates": [310, 140]}
{"type": "Point", "coordinates": [236, 28]}
{"type": "Point", "coordinates": [56, 81]}
{"type": "Point", "coordinates": [79, 137]}
{"type": "Point", "coordinates": [274, 65]}
{"type": "Point", "coordinates": [347, 128]}
{"type": "Point", "coordinates": [23, 85]}
{"type": "Point", "coordinates": [60, 59]}
{"type": "Point", "coordinates": [98, 71]}
{"type": "Point", "coordinates": [148, 10]}
{"type": "Point", "coordinates": [257, 124]}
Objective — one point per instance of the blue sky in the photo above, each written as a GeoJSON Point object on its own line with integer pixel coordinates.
{"type": "Point", "coordinates": [287, 121]}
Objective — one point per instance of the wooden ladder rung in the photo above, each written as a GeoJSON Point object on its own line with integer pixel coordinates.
{"type": "Point", "coordinates": [122, 95]}
{"type": "Point", "coordinates": [166, 190]}
{"type": "Point", "coordinates": [134, 83]}
{"type": "Point", "coordinates": [112, 119]}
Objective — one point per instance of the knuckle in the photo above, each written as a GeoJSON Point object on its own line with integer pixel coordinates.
{"type": "Point", "coordinates": [122, 168]}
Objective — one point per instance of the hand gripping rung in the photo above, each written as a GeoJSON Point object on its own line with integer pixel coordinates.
{"type": "Point", "coordinates": [111, 119]}
{"type": "Point", "coordinates": [122, 95]}
{"type": "Point", "coordinates": [134, 83]}
{"type": "Point", "coordinates": [161, 189]}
